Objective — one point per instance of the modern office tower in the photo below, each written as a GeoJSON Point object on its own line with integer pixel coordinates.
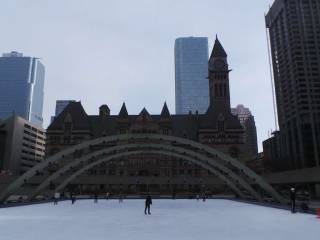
{"type": "Point", "coordinates": [22, 145]}
{"type": "Point", "coordinates": [60, 106]}
{"type": "Point", "coordinates": [294, 32]}
{"type": "Point", "coordinates": [247, 121]}
{"type": "Point", "coordinates": [21, 87]}
{"type": "Point", "coordinates": [191, 72]}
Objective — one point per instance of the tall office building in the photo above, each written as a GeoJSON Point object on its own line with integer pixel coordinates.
{"type": "Point", "coordinates": [294, 31]}
{"type": "Point", "coordinates": [21, 87]}
{"type": "Point", "coordinates": [191, 72]}
{"type": "Point", "coordinates": [250, 134]}
{"type": "Point", "coordinates": [22, 145]}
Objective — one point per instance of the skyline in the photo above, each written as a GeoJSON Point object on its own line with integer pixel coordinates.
{"type": "Point", "coordinates": [105, 54]}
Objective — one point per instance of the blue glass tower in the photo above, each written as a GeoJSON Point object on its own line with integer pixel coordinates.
{"type": "Point", "coordinates": [191, 72]}
{"type": "Point", "coordinates": [21, 87]}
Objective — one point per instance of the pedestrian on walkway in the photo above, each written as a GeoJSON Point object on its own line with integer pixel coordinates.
{"type": "Point", "coordinates": [148, 203]}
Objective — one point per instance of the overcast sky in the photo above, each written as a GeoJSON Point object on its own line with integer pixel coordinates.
{"type": "Point", "coordinates": [108, 52]}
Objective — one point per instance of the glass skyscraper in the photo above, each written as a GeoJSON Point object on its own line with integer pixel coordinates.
{"type": "Point", "coordinates": [191, 72]}
{"type": "Point", "coordinates": [21, 87]}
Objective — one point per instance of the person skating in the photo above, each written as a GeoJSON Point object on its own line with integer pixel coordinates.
{"type": "Point", "coordinates": [107, 196]}
{"type": "Point", "coordinates": [148, 203]}
{"type": "Point", "coordinates": [204, 197]}
{"type": "Point", "coordinates": [56, 198]}
{"type": "Point", "coordinates": [293, 200]}
{"type": "Point", "coordinates": [96, 198]}
{"type": "Point", "coordinates": [73, 199]}
{"type": "Point", "coordinates": [120, 198]}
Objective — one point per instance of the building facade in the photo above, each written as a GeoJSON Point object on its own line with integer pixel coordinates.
{"type": "Point", "coordinates": [22, 145]}
{"type": "Point", "coordinates": [294, 31]}
{"type": "Point", "coordinates": [191, 83]}
{"type": "Point", "coordinates": [250, 132]}
{"type": "Point", "coordinates": [21, 87]}
{"type": "Point", "coordinates": [218, 128]}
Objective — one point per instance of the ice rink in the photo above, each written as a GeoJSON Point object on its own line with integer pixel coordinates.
{"type": "Point", "coordinates": [170, 219]}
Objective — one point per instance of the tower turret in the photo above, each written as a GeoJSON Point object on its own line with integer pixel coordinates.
{"type": "Point", "coordinates": [219, 79]}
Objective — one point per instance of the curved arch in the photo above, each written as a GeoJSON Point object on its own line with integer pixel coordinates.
{"type": "Point", "coordinates": [103, 152]}
{"type": "Point", "coordinates": [210, 152]}
{"type": "Point", "coordinates": [119, 155]}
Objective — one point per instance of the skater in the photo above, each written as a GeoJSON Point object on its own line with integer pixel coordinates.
{"type": "Point", "coordinates": [120, 198]}
{"type": "Point", "coordinates": [197, 197]}
{"type": "Point", "coordinates": [56, 198]}
{"type": "Point", "coordinates": [96, 198]}
{"type": "Point", "coordinates": [293, 200]}
{"type": "Point", "coordinates": [107, 196]}
{"type": "Point", "coordinates": [204, 197]}
{"type": "Point", "coordinates": [148, 203]}
{"type": "Point", "coordinates": [73, 199]}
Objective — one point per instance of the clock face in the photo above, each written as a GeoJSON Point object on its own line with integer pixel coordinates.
{"type": "Point", "coordinates": [220, 64]}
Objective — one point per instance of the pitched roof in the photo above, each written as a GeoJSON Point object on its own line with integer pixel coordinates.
{"type": "Point", "coordinates": [165, 111]}
{"type": "Point", "coordinates": [75, 112]}
{"type": "Point", "coordinates": [144, 114]}
{"type": "Point", "coordinates": [218, 50]}
{"type": "Point", "coordinates": [210, 119]}
{"type": "Point", "coordinates": [123, 111]}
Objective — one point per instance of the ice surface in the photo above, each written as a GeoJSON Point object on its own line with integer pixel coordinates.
{"type": "Point", "coordinates": [170, 219]}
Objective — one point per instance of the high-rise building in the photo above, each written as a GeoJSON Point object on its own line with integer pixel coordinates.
{"type": "Point", "coordinates": [191, 72]}
{"type": "Point", "coordinates": [22, 145]}
{"type": "Point", "coordinates": [21, 87]}
{"type": "Point", "coordinates": [250, 134]}
{"type": "Point", "coordinates": [60, 106]}
{"type": "Point", "coordinates": [294, 32]}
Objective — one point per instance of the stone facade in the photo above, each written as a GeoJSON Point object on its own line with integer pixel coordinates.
{"type": "Point", "coordinates": [217, 128]}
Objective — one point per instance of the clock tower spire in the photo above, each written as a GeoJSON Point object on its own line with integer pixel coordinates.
{"type": "Point", "coordinates": [219, 79]}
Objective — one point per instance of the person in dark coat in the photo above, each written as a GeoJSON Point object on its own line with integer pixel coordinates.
{"type": "Point", "coordinates": [73, 199]}
{"type": "Point", "coordinates": [148, 204]}
{"type": "Point", "coordinates": [293, 200]}
{"type": "Point", "coordinates": [204, 197]}
{"type": "Point", "coordinates": [95, 198]}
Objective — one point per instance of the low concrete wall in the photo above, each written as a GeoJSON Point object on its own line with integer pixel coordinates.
{"type": "Point", "coordinates": [306, 175]}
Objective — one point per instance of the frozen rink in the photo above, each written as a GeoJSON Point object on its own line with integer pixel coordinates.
{"type": "Point", "coordinates": [170, 219]}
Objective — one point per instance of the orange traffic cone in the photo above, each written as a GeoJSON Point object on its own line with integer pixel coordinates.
{"type": "Point", "coordinates": [318, 213]}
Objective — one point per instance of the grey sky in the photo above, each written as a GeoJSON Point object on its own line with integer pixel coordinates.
{"type": "Point", "coordinates": [107, 52]}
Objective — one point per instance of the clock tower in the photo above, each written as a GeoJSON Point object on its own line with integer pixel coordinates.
{"type": "Point", "coordinates": [219, 79]}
